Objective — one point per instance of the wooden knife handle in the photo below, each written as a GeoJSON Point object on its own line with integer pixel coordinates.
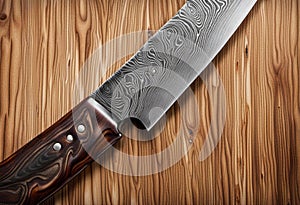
{"type": "Point", "coordinates": [49, 161]}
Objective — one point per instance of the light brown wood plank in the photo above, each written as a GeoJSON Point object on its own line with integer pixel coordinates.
{"type": "Point", "coordinates": [44, 45]}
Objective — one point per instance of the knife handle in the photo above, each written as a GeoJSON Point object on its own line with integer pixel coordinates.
{"type": "Point", "coordinates": [49, 161]}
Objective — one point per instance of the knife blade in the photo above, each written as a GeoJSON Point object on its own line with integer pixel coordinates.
{"type": "Point", "coordinates": [184, 47]}
{"type": "Point", "coordinates": [167, 64]}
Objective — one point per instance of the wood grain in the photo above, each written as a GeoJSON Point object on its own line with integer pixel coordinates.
{"type": "Point", "coordinates": [38, 169]}
{"type": "Point", "coordinates": [44, 44]}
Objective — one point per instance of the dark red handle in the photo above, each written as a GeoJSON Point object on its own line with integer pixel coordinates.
{"type": "Point", "coordinates": [49, 161]}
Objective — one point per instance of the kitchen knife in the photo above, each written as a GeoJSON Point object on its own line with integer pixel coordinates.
{"type": "Point", "coordinates": [153, 78]}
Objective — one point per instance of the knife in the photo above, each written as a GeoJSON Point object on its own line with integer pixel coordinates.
{"type": "Point", "coordinates": [153, 78]}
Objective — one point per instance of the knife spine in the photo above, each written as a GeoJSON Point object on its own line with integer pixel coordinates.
{"type": "Point", "coordinates": [45, 164]}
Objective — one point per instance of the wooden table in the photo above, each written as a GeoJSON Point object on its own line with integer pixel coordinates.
{"type": "Point", "coordinates": [44, 44]}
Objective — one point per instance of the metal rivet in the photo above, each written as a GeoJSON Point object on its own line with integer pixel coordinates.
{"type": "Point", "coordinates": [154, 71]}
{"type": "Point", "coordinates": [70, 138]}
{"type": "Point", "coordinates": [57, 146]}
{"type": "Point", "coordinates": [190, 141]}
{"type": "Point", "coordinates": [81, 128]}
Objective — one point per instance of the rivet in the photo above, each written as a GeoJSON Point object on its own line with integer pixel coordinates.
{"type": "Point", "coordinates": [57, 146]}
{"type": "Point", "coordinates": [154, 71]}
{"type": "Point", "coordinates": [190, 141]}
{"type": "Point", "coordinates": [81, 128]}
{"type": "Point", "coordinates": [70, 138]}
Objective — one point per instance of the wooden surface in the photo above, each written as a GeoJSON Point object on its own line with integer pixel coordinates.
{"type": "Point", "coordinates": [44, 44]}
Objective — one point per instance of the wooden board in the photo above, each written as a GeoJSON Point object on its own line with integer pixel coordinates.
{"type": "Point", "coordinates": [44, 44]}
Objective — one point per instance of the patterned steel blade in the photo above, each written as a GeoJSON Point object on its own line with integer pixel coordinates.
{"type": "Point", "coordinates": [152, 80]}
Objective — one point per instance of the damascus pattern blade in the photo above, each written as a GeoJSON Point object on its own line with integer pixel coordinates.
{"type": "Point", "coordinates": [151, 81]}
